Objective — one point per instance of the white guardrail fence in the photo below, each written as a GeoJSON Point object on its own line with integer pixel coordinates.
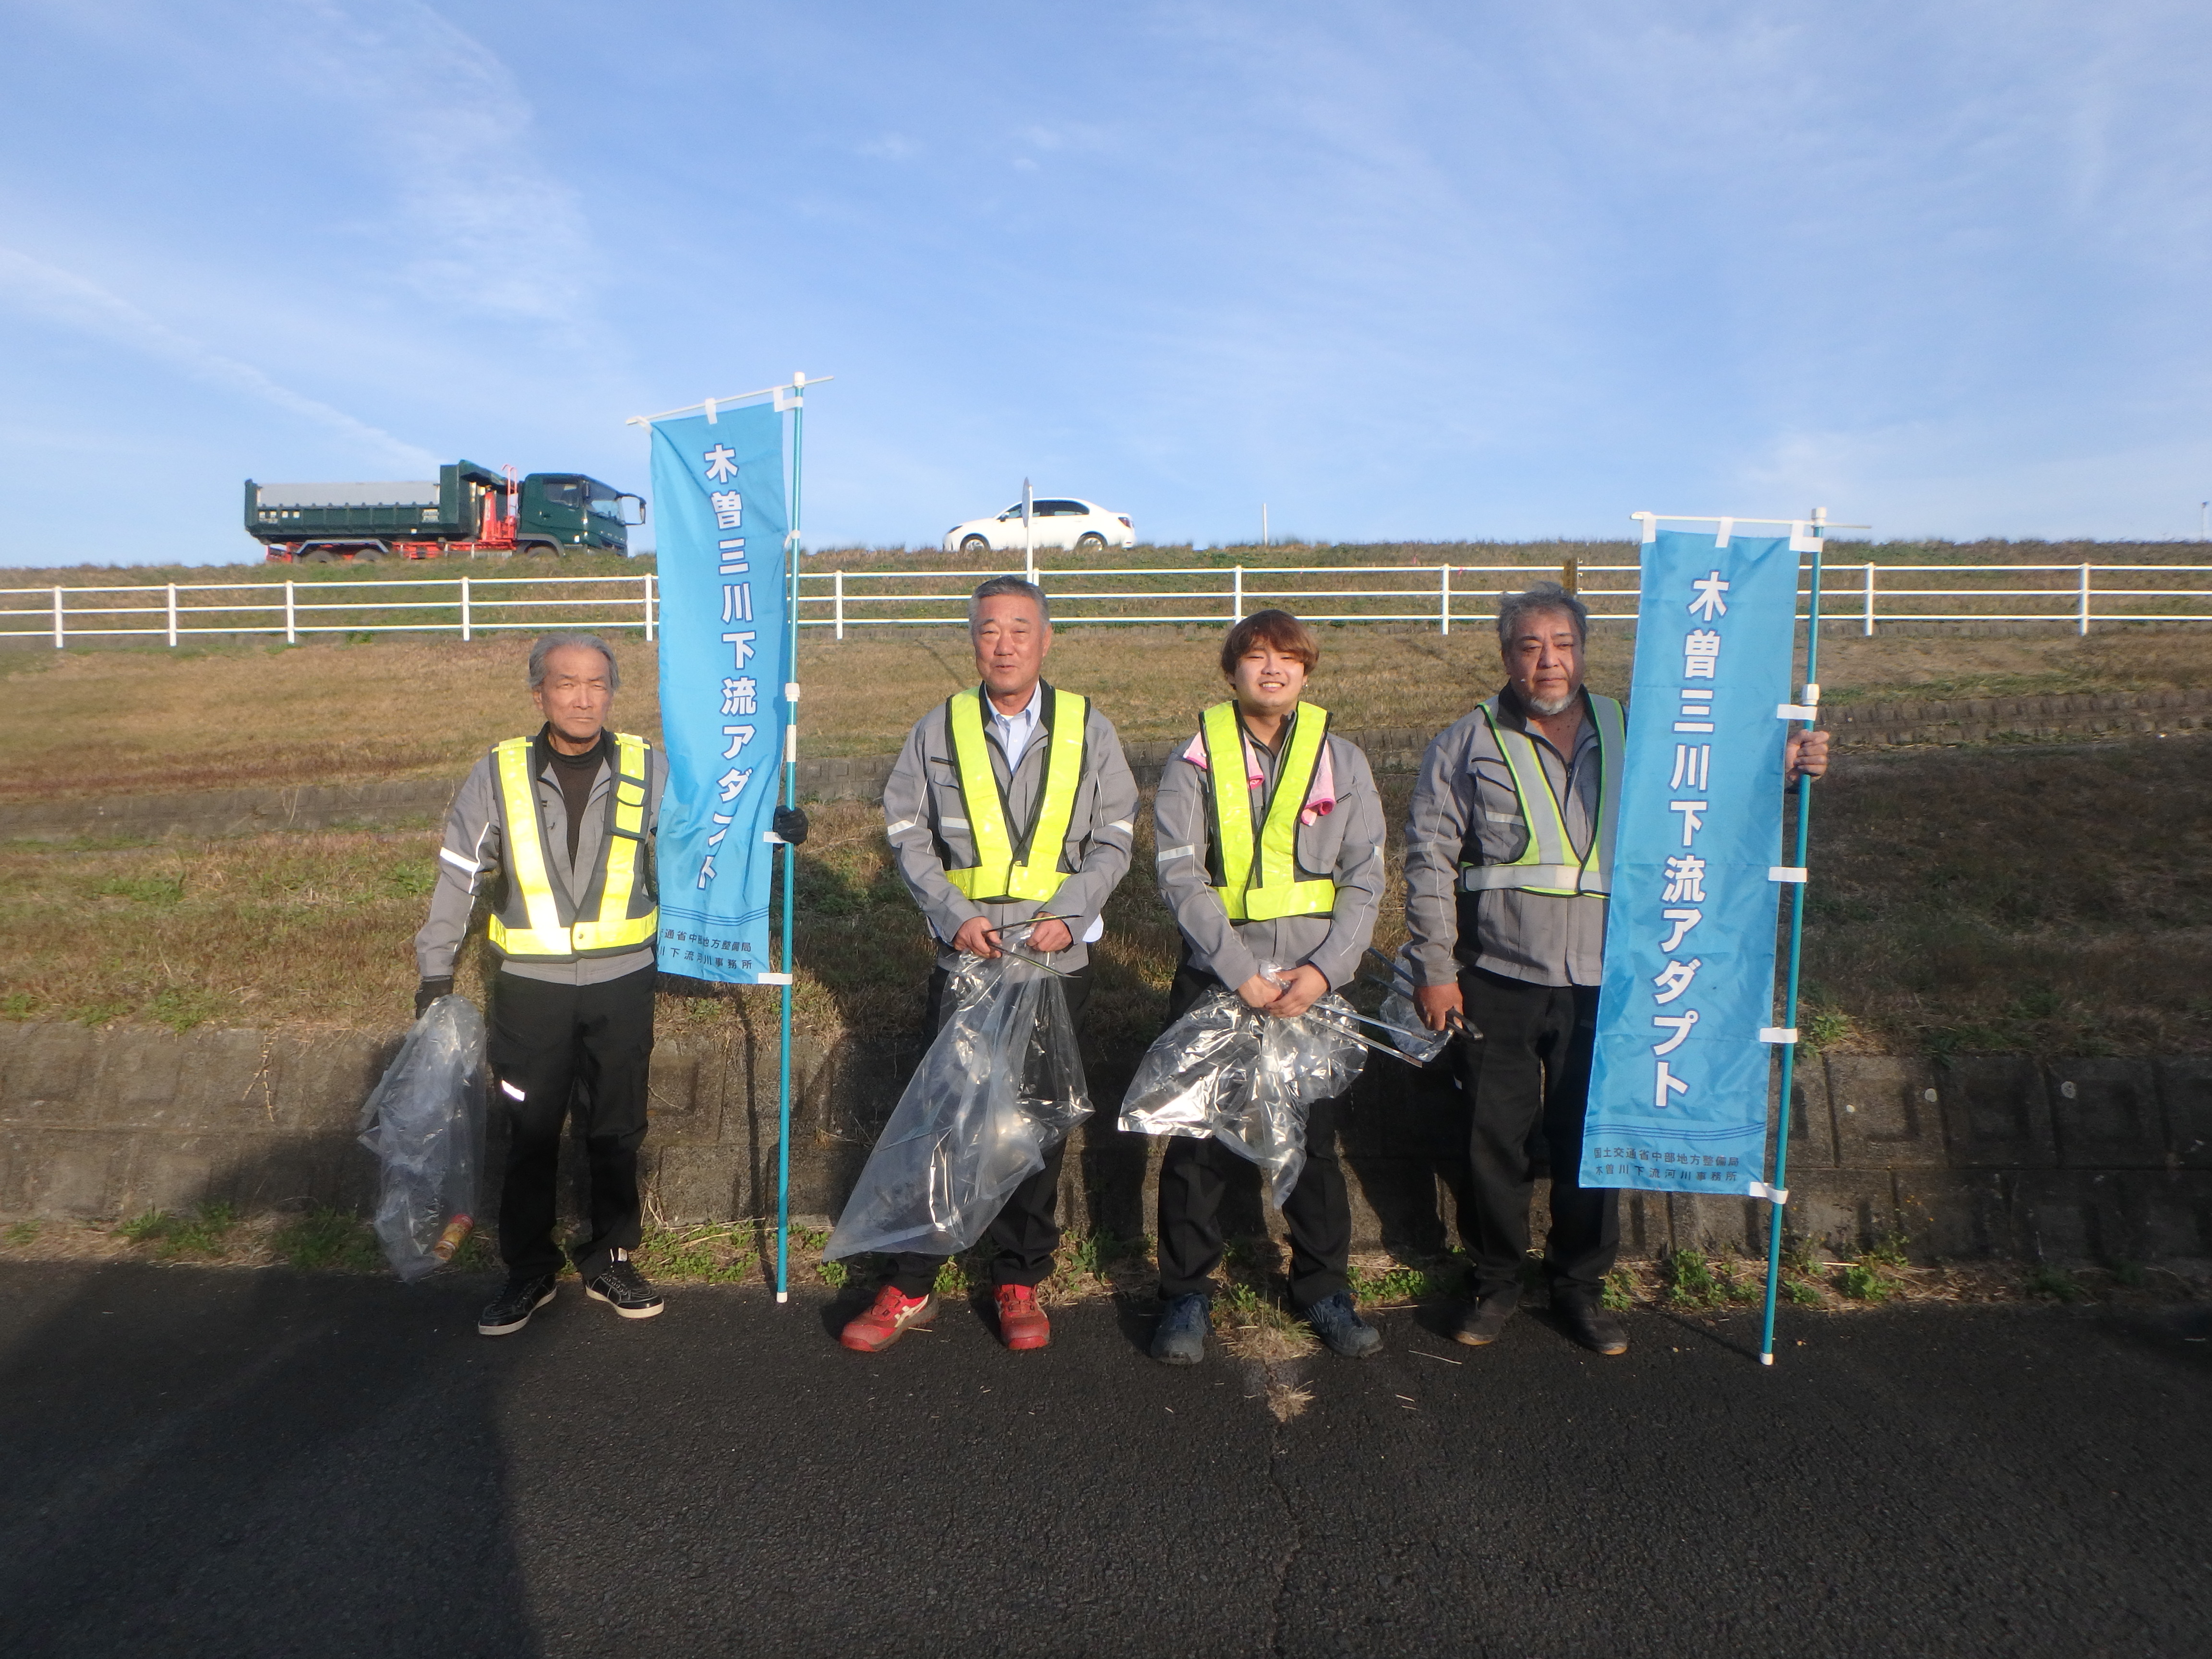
{"type": "Point", "coordinates": [1863, 594]}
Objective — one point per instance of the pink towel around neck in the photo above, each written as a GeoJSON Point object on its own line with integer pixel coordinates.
{"type": "Point", "coordinates": [1321, 794]}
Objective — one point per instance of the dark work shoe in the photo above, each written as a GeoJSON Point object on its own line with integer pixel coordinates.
{"type": "Point", "coordinates": [1180, 1338]}
{"type": "Point", "coordinates": [511, 1309]}
{"type": "Point", "coordinates": [1338, 1323]}
{"type": "Point", "coordinates": [1592, 1327]}
{"type": "Point", "coordinates": [1483, 1319]}
{"type": "Point", "coordinates": [623, 1288]}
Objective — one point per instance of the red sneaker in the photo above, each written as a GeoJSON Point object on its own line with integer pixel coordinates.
{"type": "Point", "coordinates": [1022, 1323]}
{"type": "Point", "coordinates": [887, 1318]}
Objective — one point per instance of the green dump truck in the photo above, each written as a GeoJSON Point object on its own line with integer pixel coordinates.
{"type": "Point", "coordinates": [471, 511]}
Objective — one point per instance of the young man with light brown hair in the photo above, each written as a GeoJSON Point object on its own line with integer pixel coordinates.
{"type": "Point", "coordinates": [1270, 855]}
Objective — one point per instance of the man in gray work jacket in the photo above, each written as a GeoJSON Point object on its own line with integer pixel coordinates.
{"type": "Point", "coordinates": [1270, 855]}
{"type": "Point", "coordinates": [557, 831]}
{"type": "Point", "coordinates": [1009, 802]}
{"type": "Point", "coordinates": [1509, 853]}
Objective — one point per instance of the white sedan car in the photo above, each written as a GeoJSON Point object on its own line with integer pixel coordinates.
{"type": "Point", "coordinates": [1083, 527]}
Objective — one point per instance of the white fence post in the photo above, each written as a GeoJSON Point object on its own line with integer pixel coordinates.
{"type": "Point", "coordinates": [1444, 599]}
{"type": "Point", "coordinates": [1869, 600]}
{"type": "Point", "coordinates": [57, 619]}
{"type": "Point", "coordinates": [465, 618]}
{"type": "Point", "coordinates": [1236, 596]}
{"type": "Point", "coordinates": [172, 616]}
{"type": "Point", "coordinates": [651, 590]}
{"type": "Point", "coordinates": [839, 596]}
{"type": "Point", "coordinates": [291, 616]}
{"type": "Point", "coordinates": [2082, 626]}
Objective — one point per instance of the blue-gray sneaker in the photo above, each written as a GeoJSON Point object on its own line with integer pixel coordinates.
{"type": "Point", "coordinates": [1338, 1323]}
{"type": "Point", "coordinates": [1180, 1338]}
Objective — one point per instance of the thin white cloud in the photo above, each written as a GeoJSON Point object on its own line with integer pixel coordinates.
{"type": "Point", "coordinates": [38, 289]}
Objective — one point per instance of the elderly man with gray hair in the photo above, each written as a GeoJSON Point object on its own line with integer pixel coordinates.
{"type": "Point", "coordinates": [1011, 812]}
{"type": "Point", "coordinates": [1506, 875]}
{"type": "Point", "coordinates": [556, 832]}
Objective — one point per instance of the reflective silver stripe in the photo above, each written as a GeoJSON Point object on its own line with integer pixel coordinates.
{"type": "Point", "coordinates": [952, 823]}
{"type": "Point", "coordinates": [1167, 853]}
{"type": "Point", "coordinates": [466, 867]}
{"type": "Point", "coordinates": [1479, 877]}
{"type": "Point", "coordinates": [1124, 826]}
{"type": "Point", "coordinates": [902, 827]}
{"type": "Point", "coordinates": [1501, 817]}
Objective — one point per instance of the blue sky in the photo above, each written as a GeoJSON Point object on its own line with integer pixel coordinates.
{"type": "Point", "coordinates": [1425, 271]}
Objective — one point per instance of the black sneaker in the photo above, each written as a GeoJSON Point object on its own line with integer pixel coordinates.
{"type": "Point", "coordinates": [623, 1288]}
{"type": "Point", "coordinates": [511, 1309]}
{"type": "Point", "coordinates": [1338, 1323]}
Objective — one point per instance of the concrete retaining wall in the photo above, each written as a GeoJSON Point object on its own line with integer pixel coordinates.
{"type": "Point", "coordinates": [2078, 1160]}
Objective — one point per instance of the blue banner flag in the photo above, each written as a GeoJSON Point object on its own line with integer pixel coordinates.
{"type": "Point", "coordinates": [1677, 1094]}
{"type": "Point", "coordinates": [724, 704]}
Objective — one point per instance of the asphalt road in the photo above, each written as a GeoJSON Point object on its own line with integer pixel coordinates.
{"type": "Point", "coordinates": [258, 1462]}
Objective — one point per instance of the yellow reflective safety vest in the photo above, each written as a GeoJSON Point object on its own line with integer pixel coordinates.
{"type": "Point", "coordinates": [1549, 863]}
{"type": "Point", "coordinates": [536, 921]}
{"type": "Point", "coordinates": [1259, 869]}
{"type": "Point", "coordinates": [1007, 867]}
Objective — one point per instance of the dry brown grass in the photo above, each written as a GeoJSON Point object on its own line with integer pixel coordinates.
{"type": "Point", "coordinates": [2009, 899]}
{"type": "Point", "coordinates": [2053, 901]}
{"type": "Point", "coordinates": [92, 723]}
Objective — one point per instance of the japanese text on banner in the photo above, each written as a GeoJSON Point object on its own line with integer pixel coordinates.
{"type": "Point", "coordinates": [1677, 1096]}
{"type": "Point", "coordinates": [719, 498]}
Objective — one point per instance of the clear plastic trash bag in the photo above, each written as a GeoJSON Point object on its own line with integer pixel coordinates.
{"type": "Point", "coordinates": [1246, 1079]}
{"type": "Point", "coordinates": [1001, 1083]}
{"type": "Point", "coordinates": [425, 1122]}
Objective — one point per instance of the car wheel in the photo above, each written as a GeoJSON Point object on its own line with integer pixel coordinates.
{"type": "Point", "coordinates": [974, 546]}
{"type": "Point", "coordinates": [1090, 541]}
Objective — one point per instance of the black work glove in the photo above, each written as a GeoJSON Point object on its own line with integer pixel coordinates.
{"type": "Point", "coordinates": [790, 822]}
{"type": "Point", "coordinates": [430, 991]}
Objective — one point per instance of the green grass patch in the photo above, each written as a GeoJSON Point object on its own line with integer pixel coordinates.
{"type": "Point", "coordinates": [21, 1232]}
{"type": "Point", "coordinates": [202, 1231]}
{"type": "Point", "coordinates": [1400, 1283]}
{"type": "Point", "coordinates": [2053, 1282]}
{"type": "Point", "coordinates": [327, 1241]}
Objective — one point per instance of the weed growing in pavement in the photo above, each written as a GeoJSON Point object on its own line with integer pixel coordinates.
{"type": "Point", "coordinates": [836, 1275]}
{"type": "Point", "coordinates": [1399, 1284]}
{"type": "Point", "coordinates": [327, 1240]}
{"type": "Point", "coordinates": [1689, 1280]}
{"type": "Point", "coordinates": [2054, 1282]}
{"type": "Point", "coordinates": [952, 1278]}
{"type": "Point", "coordinates": [1252, 1327]}
{"type": "Point", "coordinates": [200, 1233]}
{"type": "Point", "coordinates": [1619, 1295]}
{"type": "Point", "coordinates": [717, 1254]}
{"type": "Point", "coordinates": [1866, 1280]}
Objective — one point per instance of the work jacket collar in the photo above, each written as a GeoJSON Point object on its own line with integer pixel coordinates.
{"type": "Point", "coordinates": [1513, 710]}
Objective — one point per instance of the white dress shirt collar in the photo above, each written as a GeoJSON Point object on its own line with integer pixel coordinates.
{"type": "Point", "coordinates": [1015, 730]}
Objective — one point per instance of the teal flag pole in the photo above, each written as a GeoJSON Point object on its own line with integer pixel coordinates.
{"type": "Point", "coordinates": [1778, 1179]}
{"type": "Point", "coordinates": [791, 546]}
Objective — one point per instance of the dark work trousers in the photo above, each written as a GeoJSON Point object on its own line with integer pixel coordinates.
{"type": "Point", "coordinates": [564, 1046]}
{"type": "Point", "coordinates": [1026, 1231]}
{"type": "Point", "coordinates": [1530, 1075]}
{"type": "Point", "coordinates": [1195, 1173]}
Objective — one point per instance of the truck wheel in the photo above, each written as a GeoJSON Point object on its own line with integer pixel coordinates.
{"type": "Point", "coordinates": [319, 555]}
{"type": "Point", "coordinates": [974, 546]}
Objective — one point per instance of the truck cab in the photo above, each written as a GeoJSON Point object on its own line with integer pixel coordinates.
{"type": "Point", "coordinates": [569, 512]}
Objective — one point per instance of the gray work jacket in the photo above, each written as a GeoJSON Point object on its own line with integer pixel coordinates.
{"type": "Point", "coordinates": [926, 819]}
{"type": "Point", "coordinates": [470, 855]}
{"type": "Point", "coordinates": [1537, 937]}
{"type": "Point", "coordinates": [1345, 844]}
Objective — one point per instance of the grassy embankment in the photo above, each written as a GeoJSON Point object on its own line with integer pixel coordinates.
{"type": "Point", "coordinates": [1992, 900]}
